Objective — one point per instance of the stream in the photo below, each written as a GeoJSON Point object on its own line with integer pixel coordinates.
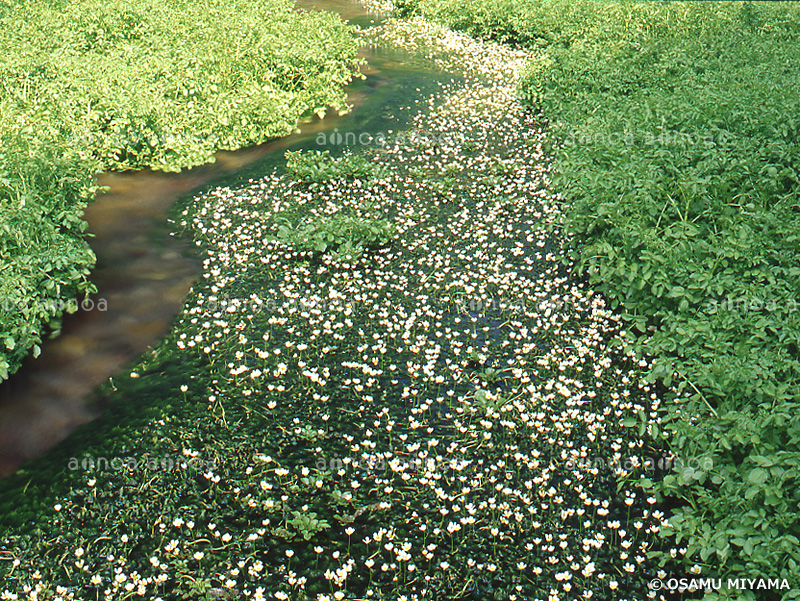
{"type": "Point", "coordinates": [144, 272]}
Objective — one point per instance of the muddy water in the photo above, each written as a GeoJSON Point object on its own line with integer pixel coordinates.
{"type": "Point", "coordinates": [144, 272]}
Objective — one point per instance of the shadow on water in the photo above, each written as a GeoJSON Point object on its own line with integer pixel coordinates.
{"type": "Point", "coordinates": [144, 273]}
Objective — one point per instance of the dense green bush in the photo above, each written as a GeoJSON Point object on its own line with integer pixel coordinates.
{"type": "Point", "coordinates": [166, 84]}
{"type": "Point", "coordinates": [88, 84]}
{"type": "Point", "coordinates": [675, 134]}
{"type": "Point", "coordinates": [44, 260]}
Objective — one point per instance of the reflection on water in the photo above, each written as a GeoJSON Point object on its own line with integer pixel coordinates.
{"type": "Point", "coordinates": [144, 273]}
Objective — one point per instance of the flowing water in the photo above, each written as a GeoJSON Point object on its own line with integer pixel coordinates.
{"type": "Point", "coordinates": [144, 273]}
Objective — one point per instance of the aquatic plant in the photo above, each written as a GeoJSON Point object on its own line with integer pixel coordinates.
{"type": "Point", "coordinates": [315, 166]}
{"type": "Point", "coordinates": [445, 417]}
{"type": "Point", "coordinates": [674, 135]}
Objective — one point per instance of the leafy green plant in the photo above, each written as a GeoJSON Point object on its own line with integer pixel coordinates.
{"type": "Point", "coordinates": [316, 166]}
{"type": "Point", "coordinates": [346, 235]}
{"type": "Point", "coordinates": [307, 524]}
{"type": "Point", "coordinates": [44, 259]}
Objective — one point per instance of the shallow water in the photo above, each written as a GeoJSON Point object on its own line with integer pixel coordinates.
{"type": "Point", "coordinates": [144, 272]}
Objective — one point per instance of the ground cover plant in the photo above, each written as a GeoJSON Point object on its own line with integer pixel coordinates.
{"type": "Point", "coordinates": [446, 415]}
{"type": "Point", "coordinates": [104, 84]}
{"type": "Point", "coordinates": [316, 166]}
{"type": "Point", "coordinates": [675, 137]}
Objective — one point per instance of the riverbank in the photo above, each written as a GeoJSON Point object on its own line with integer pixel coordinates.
{"type": "Point", "coordinates": [385, 385]}
{"type": "Point", "coordinates": [119, 86]}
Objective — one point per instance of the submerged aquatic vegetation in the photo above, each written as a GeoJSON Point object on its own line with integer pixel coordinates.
{"type": "Point", "coordinates": [446, 417]}
{"type": "Point", "coordinates": [675, 140]}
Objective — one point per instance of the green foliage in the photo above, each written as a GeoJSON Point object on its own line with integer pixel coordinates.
{"type": "Point", "coordinates": [675, 133]}
{"type": "Point", "coordinates": [44, 259]}
{"type": "Point", "coordinates": [105, 84]}
{"type": "Point", "coordinates": [307, 524]}
{"type": "Point", "coordinates": [165, 85]}
{"type": "Point", "coordinates": [316, 166]}
{"type": "Point", "coordinates": [347, 235]}
{"type": "Point", "coordinates": [347, 231]}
